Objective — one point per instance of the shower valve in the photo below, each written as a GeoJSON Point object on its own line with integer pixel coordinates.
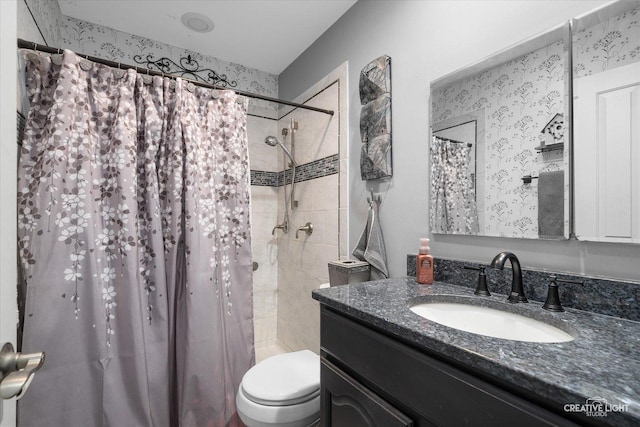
{"type": "Point", "coordinates": [307, 228]}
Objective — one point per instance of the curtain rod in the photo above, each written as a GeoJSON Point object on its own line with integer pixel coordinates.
{"type": "Point", "coordinates": [24, 44]}
{"type": "Point", "coordinates": [455, 141]}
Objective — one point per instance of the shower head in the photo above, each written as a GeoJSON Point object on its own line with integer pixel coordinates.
{"type": "Point", "coordinates": [273, 141]}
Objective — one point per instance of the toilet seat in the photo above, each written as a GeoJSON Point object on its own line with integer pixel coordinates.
{"type": "Point", "coordinates": [283, 390]}
{"type": "Point", "coordinates": [257, 415]}
{"type": "Point", "coordinates": [285, 379]}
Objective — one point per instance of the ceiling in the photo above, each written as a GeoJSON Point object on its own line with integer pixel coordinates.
{"type": "Point", "coordinates": [264, 34]}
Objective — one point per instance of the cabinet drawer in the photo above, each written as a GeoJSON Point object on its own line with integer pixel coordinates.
{"type": "Point", "coordinates": [419, 384]}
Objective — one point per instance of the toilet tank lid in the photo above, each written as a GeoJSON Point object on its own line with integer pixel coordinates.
{"type": "Point", "coordinates": [282, 378]}
{"type": "Point", "coordinates": [350, 263]}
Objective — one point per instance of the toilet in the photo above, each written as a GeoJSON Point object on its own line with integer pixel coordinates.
{"type": "Point", "coordinates": [283, 390]}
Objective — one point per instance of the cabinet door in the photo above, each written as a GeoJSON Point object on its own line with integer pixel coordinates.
{"type": "Point", "coordinates": [607, 155]}
{"type": "Point", "coordinates": [346, 402]}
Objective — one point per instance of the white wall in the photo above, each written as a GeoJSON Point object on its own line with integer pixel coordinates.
{"type": "Point", "coordinates": [426, 40]}
{"type": "Point", "coordinates": [8, 173]}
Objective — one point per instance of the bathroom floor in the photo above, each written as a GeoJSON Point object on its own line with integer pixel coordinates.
{"type": "Point", "coordinates": [270, 348]}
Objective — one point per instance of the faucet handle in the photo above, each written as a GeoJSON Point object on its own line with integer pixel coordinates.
{"type": "Point", "coordinates": [482, 288]}
{"type": "Point", "coordinates": [553, 298]}
{"type": "Point", "coordinates": [307, 228]}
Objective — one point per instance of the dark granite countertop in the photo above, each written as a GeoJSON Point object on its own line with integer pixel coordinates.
{"type": "Point", "coordinates": [602, 362]}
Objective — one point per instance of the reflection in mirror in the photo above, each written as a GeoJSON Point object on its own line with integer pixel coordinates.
{"type": "Point", "coordinates": [502, 120]}
{"type": "Point", "coordinates": [606, 99]}
{"type": "Point", "coordinates": [453, 204]}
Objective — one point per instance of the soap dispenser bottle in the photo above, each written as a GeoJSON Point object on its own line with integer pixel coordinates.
{"type": "Point", "coordinates": [424, 264]}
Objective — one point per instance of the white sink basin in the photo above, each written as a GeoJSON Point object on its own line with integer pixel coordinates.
{"type": "Point", "coordinates": [490, 322]}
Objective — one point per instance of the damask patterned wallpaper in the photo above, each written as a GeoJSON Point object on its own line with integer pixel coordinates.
{"type": "Point", "coordinates": [610, 44]}
{"type": "Point", "coordinates": [48, 17]}
{"type": "Point", "coordinates": [103, 42]}
{"type": "Point", "coordinates": [517, 100]}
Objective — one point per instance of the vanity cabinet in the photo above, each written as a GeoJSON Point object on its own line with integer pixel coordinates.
{"type": "Point", "coordinates": [370, 379]}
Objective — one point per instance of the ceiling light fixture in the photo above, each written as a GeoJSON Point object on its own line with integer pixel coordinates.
{"type": "Point", "coordinates": [197, 22]}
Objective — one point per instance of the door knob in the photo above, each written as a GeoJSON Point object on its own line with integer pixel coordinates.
{"type": "Point", "coordinates": [17, 371]}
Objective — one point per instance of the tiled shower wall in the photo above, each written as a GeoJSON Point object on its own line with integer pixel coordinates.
{"type": "Point", "coordinates": [289, 268]}
{"type": "Point", "coordinates": [302, 261]}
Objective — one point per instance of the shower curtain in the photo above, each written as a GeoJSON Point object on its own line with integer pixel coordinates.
{"type": "Point", "coordinates": [453, 206]}
{"type": "Point", "coordinates": [134, 239]}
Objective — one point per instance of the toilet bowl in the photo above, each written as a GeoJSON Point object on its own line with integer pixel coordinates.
{"type": "Point", "coordinates": [283, 390]}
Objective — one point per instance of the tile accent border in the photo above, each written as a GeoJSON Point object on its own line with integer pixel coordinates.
{"type": "Point", "coordinates": [265, 178]}
{"type": "Point", "coordinates": [604, 296]}
{"type": "Point", "coordinates": [316, 169]}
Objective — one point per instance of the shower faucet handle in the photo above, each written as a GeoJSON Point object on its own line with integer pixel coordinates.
{"type": "Point", "coordinates": [307, 228]}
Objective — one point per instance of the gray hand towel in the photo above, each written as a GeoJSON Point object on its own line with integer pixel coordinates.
{"type": "Point", "coordinates": [370, 247]}
{"type": "Point", "coordinates": [551, 204]}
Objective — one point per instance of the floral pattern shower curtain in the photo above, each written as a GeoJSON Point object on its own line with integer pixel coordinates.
{"type": "Point", "coordinates": [453, 205]}
{"type": "Point", "coordinates": [134, 240]}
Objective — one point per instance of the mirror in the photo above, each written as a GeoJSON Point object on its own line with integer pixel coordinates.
{"type": "Point", "coordinates": [498, 160]}
{"type": "Point", "coordinates": [606, 101]}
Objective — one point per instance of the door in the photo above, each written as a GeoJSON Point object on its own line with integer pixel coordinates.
{"type": "Point", "coordinates": [607, 155]}
{"type": "Point", "coordinates": [8, 177]}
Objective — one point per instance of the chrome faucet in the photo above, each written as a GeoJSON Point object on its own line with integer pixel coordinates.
{"type": "Point", "coordinates": [517, 290]}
